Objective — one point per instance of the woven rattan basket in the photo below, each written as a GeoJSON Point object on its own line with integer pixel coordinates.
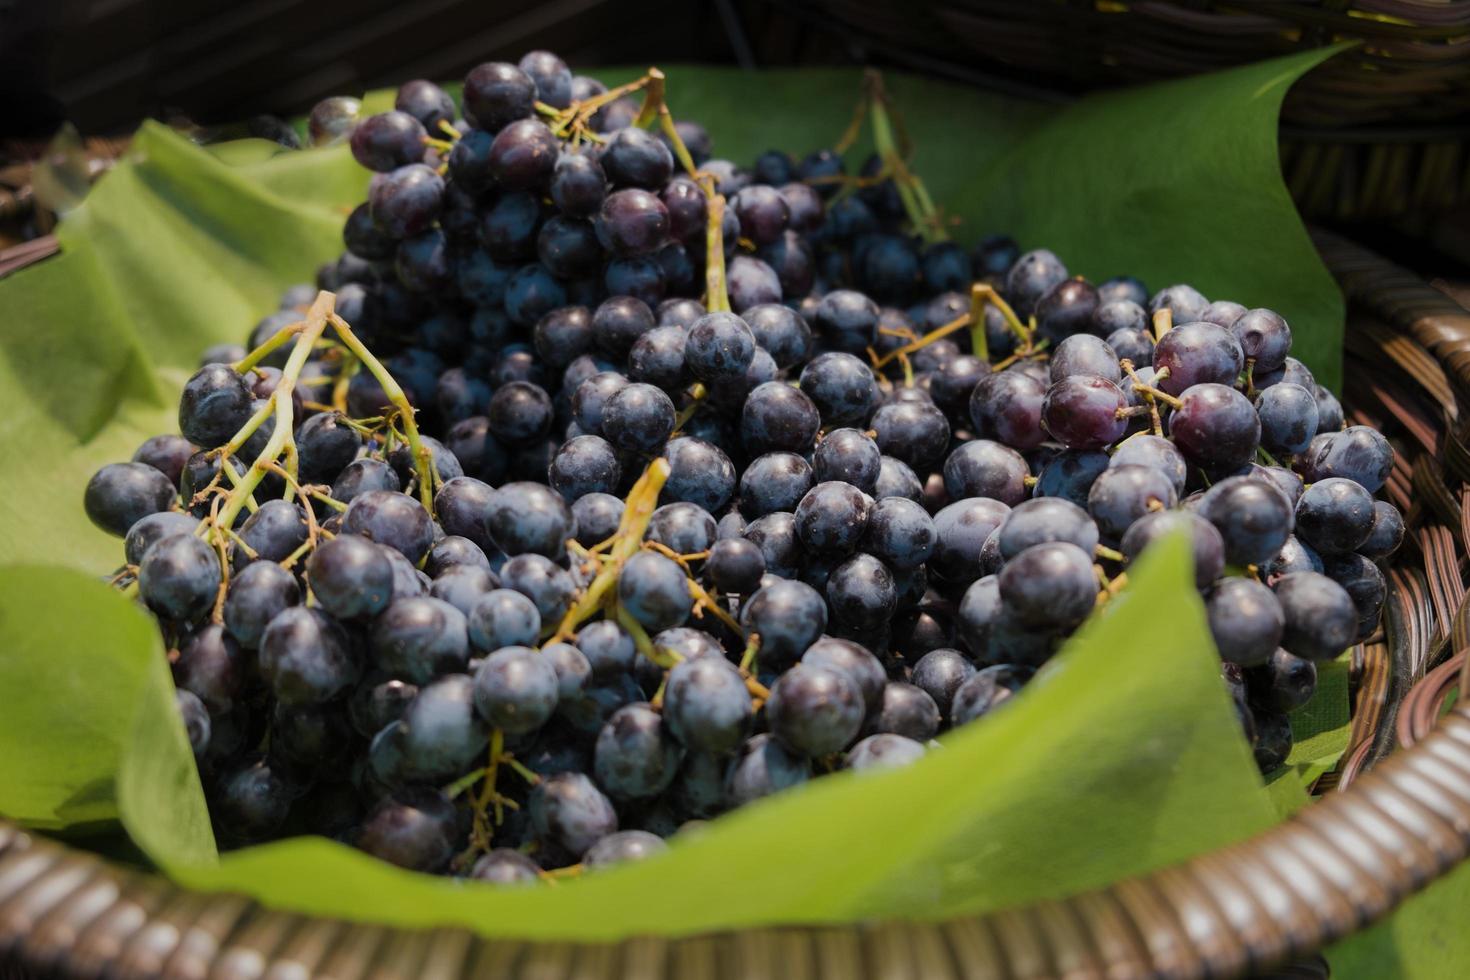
{"type": "Point", "coordinates": [1381, 130]}
{"type": "Point", "coordinates": [1399, 818]}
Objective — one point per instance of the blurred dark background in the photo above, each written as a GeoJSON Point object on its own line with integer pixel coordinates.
{"type": "Point", "coordinates": [1376, 140]}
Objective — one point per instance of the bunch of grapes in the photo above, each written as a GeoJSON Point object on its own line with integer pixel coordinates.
{"type": "Point", "coordinates": [680, 483]}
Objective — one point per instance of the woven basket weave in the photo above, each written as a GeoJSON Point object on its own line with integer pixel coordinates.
{"type": "Point", "coordinates": [1379, 131]}
{"type": "Point", "coordinates": [1398, 820]}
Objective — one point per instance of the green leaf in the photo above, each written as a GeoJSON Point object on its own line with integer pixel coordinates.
{"type": "Point", "coordinates": [89, 731]}
{"type": "Point", "coordinates": [1123, 755]}
{"type": "Point", "coordinates": [1175, 182]}
{"type": "Point", "coordinates": [1425, 939]}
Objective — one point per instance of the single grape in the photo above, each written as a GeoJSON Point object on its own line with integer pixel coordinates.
{"type": "Point", "coordinates": [815, 711]}
{"type": "Point", "coordinates": [986, 691]}
{"type": "Point", "coordinates": [583, 465]}
{"type": "Point", "coordinates": [832, 517]}
{"type": "Point", "coordinates": [1246, 620]}
{"type": "Point", "coordinates": [632, 222]}
{"type": "Point", "coordinates": [638, 418]}
{"type": "Point", "coordinates": [1050, 584]}
{"type": "Point", "coordinates": [900, 533]}
{"type": "Point", "coordinates": [1387, 533]}
{"type": "Point", "coordinates": [1144, 449]}
{"type": "Point", "coordinates": [1084, 412]}
{"type": "Point", "coordinates": [981, 468]}
{"type": "Point", "coordinates": [179, 577]}
{"type": "Point", "coordinates": [961, 530]}
{"type": "Point", "coordinates": [307, 657]}
{"type": "Point", "coordinates": [1008, 406]}
{"type": "Point", "coordinates": [1029, 276]}
{"type": "Point", "coordinates": [761, 767]}
{"type": "Point", "coordinates": [623, 847]}
{"type": "Point", "coordinates": [1253, 517]}
{"type": "Point", "coordinates": [789, 616]}
{"type": "Point", "coordinates": [505, 866]}
{"type": "Point", "coordinates": [496, 94]}
{"type": "Point", "coordinates": [916, 433]}
{"type": "Point", "coordinates": [1215, 426]}
{"type": "Point", "coordinates": [655, 591]}
{"type": "Point", "coordinates": [503, 618]}
{"type": "Point", "coordinates": [388, 140]}
{"type": "Point", "coordinates": [1283, 683]}
{"type": "Point", "coordinates": [214, 668]}
{"type": "Point", "coordinates": [1122, 494]}
{"type": "Point", "coordinates": [405, 201]}
{"type": "Point", "coordinates": [1206, 544]}
{"type": "Point", "coordinates": [1335, 515]}
{"type": "Point", "coordinates": [1289, 418]}
{"type": "Point", "coordinates": [777, 417]}
{"type": "Point", "coordinates": [847, 321]}
{"type": "Point", "coordinates": [529, 517]}
{"type": "Point", "coordinates": [707, 706]}
{"type": "Point", "coordinates": [883, 751]}
{"type": "Point", "coordinates": [700, 473]}
{"type": "Point", "coordinates": [515, 689]}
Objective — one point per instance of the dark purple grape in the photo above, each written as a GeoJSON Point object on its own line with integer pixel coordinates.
{"type": "Point", "coordinates": [1283, 683]}
{"type": "Point", "coordinates": [1008, 407]}
{"type": "Point", "coordinates": [1185, 303]}
{"type": "Point", "coordinates": [1364, 584]}
{"type": "Point", "coordinates": [553, 81]}
{"type": "Point", "coordinates": [1216, 427]}
{"type": "Point", "coordinates": [634, 157]}
{"type": "Point", "coordinates": [981, 468]}
{"type": "Point", "coordinates": [815, 711]}
{"type": "Point", "coordinates": [528, 517]}
{"type": "Point", "coordinates": [861, 592]}
{"type": "Point", "coordinates": [763, 766]}
{"type": "Point", "coordinates": [1253, 517]}
{"type": "Point", "coordinates": [1206, 544]}
{"type": "Point", "coordinates": [1084, 354]}
{"type": "Point", "coordinates": [1289, 418]}
{"type": "Point", "coordinates": [632, 222]}
{"type": "Point", "coordinates": [832, 517]}
{"type": "Point", "coordinates": [789, 616]}
{"type": "Point", "coordinates": [1122, 494]}
{"type": "Point", "coordinates": [569, 811]}
{"type": "Point", "coordinates": [706, 705]}
{"type": "Point", "coordinates": [635, 758]}
{"type": "Point", "coordinates": [406, 201]}
{"type": "Point", "coordinates": [1246, 620]}
{"type": "Point", "coordinates": [777, 417]}
{"type": "Point", "coordinates": [961, 530]}
{"type": "Point", "coordinates": [1042, 520]}
{"type": "Point", "coordinates": [1030, 276]}
{"type": "Point", "coordinates": [497, 94]}
{"type": "Point", "coordinates": [917, 433]}
{"type": "Point", "coordinates": [1066, 309]}
{"type": "Point", "coordinates": [307, 657]}
{"type": "Point", "coordinates": [1084, 412]}
{"type": "Point", "coordinates": [388, 140]}
{"type": "Point", "coordinates": [1357, 453]}
{"type": "Point", "coordinates": [1264, 338]}
{"type": "Point", "coordinates": [987, 690]}
{"type": "Point", "coordinates": [121, 494]}
{"type": "Point", "coordinates": [719, 347]}
{"type": "Point", "coordinates": [847, 320]}
{"type": "Point", "coordinates": [1321, 620]}
{"type": "Point", "coordinates": [1387, 533]}
{"type": "Point", "coordinates": [1335, 516]}
{"type": "Point", "coordinates": [1197, 353]}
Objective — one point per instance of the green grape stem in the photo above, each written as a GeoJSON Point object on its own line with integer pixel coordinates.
{"type": "Point", "coordinates": [422, 457]}
{"type": "Point", "coordinates": [309, 333]}
{"type": "Point", "coordinates": [637, 512]}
